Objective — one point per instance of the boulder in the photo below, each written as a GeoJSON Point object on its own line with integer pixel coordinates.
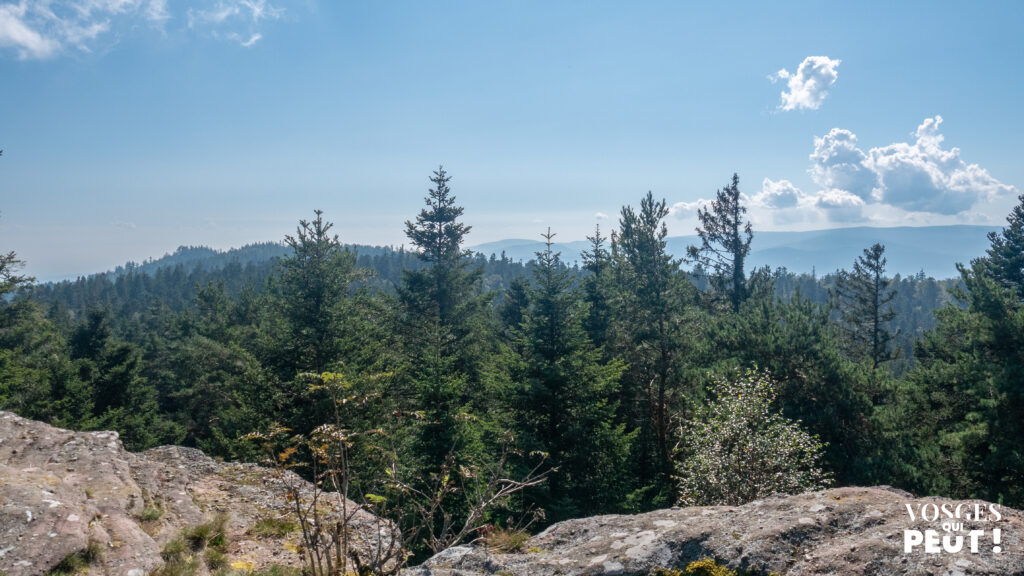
{"type": "Point", "coordinates": [839, 531]}
{"type": "Point", "coordinates": [64, 492]}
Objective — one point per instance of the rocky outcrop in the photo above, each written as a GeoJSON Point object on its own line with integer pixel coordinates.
{"type": "Point", "coordinates": [64, 492]}
{"type": "Point", "coordinates": [840, 531]}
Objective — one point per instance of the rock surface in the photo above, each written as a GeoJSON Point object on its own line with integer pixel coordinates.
{"type": "Point", "coordinates": [61, 490]}
{"type": "Point", "coordinates": [840, 531]}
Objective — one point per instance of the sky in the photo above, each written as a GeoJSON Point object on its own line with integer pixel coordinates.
{"type": "Point", "coordinates": [131, 127]}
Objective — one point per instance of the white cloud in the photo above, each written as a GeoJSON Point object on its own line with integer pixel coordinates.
{"type": "Point", "coordinates": [917, 181]}
{"type": "Point", "coordinates": [809, 85]}
{"type": "Point", "coordinates": [251, 11]}
{"type": "Point", "coordinates": [252, 40]}
{"type": "Point", "coordinates": [16, 33]}
{"type": "Point", "coordinates": [840, 205]}
{"type": "Point", "coordinates": [777, 194]}
{"type": "Point", "coordinates": [684, 210]}
{"type": "Point", "coordinates": [42, 29]}
{"type": "Point", "coordinates": [601, 216]}
{"type": "Point", "coordinates": [156, 11]}
{"type": "Point", "coordinates": [925, 177]}
{"type": "Point", "coordinates": [837, 163]}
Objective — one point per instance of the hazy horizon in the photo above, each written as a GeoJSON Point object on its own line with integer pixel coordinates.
{"type": "Point", "coordinates": [570, 248]}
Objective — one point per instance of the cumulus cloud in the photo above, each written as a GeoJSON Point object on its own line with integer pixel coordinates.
{"type": "Point", "coordinates": [42, 29]}
{"type": "Point", "coordinates": [924, 177]}
{"type": "Point", "coordinates": [838, 164]}
{"type": "Point", "coordinates": [777, 194]}
{"type": "Point", "coordinates": [905, 181]}
{"type": "Point", "coordinates": [809, 85]}
{"type": "Point", "coordinates": [684, 210]}
{"type": "Point", "coordinates": [601, 216]}
{"type": "Point", "coordinates": [840, 205]}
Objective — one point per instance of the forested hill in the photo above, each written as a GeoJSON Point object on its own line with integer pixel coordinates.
{"type": "Point", "coordinates": [174, 281]}
{"type": "Point", "coordinates": [935, 250]}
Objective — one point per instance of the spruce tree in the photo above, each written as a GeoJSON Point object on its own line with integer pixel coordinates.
{"type": "Point", "coordinates": [567, 404]}
{"type": "Point", "coordinates": [598, 288]}
{"type": "Point", "coordinates": [864, 299]}
{"type": "Point", "coordinates": [1005, 261]}
{"type": "Point", "coordinates": [444, 335]}
{"type": "Point", "coordinates": [725, 243]}
{"type": "Point", "coordinates": [313, 285]}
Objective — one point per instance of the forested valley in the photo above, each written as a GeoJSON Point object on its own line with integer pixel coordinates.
{"type": "Point", "coordinates": [614, 384]}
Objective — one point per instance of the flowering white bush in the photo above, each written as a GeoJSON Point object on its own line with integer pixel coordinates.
{"type": "Point", "coordinates": [739, 449]}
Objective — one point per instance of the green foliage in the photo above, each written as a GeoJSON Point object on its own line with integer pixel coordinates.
{"type": "Point", "coordinates": [10, 279]}
{"type": "Point", "coordinates": [151, 513]}
{"type": "Point", "coordinates": [568, 401]}
{"type": "Point", "coordinates": [313, 284]}
{"type": "Point", "coordinates": [652, 331]}
{"type": "Point", "coordinates": [739, 448]}
{"type": "Point", "coordinates": [212, 534]}
{"type": "Point", "coordinates": [832, 397]}
{"type": "Point", "coordinates": [77, 562]}
{"type": "Point", "coordinates": [201, 545]}
{"type": "Point", "coordinates": [448, 355]}
{"type": "Point", "coordinates": [272, 526]}
{"type": "Point", "coordinates": [1005, 257]}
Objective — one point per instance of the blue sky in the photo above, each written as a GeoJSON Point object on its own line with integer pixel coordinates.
{"type": "Point", "coordinates": [130, 127]}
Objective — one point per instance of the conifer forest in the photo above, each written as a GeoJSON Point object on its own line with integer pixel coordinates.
{"type": "Point", "coordinates": [628, 381]}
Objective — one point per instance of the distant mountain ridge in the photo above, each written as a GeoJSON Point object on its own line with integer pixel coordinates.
{"type": "Point", "coordinates": [934, 249]}
{"type": "Point", "coordinates": [909, 249]}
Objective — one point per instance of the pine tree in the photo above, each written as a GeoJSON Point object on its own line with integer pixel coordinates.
{"type": "Point", "coordinates": [864, 299]}
{"type": "Point", "coordinates": [651, 324]}
{"type": "Point", "coordinates": [969, 382]}
{"type": "Point", "coordinates": [725, 243]}
{"type": "Point", "coordinates": [10, 279]}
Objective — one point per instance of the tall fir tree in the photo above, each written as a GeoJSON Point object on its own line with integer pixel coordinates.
{"type": "Point", "coordinates": [445, 334]}
{"type": "Point", "coordinates": [1005, 255]}
{"type": "Point", "coordinates": [598, 288]}
{"type": "Point", "coordinates": [864, 299]}
{"type": "Point", "coordinates": [313, 286]}
{"type": "Point", "coordinates": [725, 243]}
{"type": "Point", "coordinates": [567, 403]}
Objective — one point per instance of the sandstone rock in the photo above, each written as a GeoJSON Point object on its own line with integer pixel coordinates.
{"type": "Point", "coordinates": [61, 490]}
{"type": "Point", "coordinates": [839, 531]}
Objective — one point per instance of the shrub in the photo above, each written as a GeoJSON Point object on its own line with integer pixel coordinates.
{"type": "Point", "coordinates": [739, 449]}
{"type": "Point", "coordinates": [506, 540]}
{"type": "Point", "coordinates": [272, 526]}
{"type": "Point", "coordinates": [77, 561]}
